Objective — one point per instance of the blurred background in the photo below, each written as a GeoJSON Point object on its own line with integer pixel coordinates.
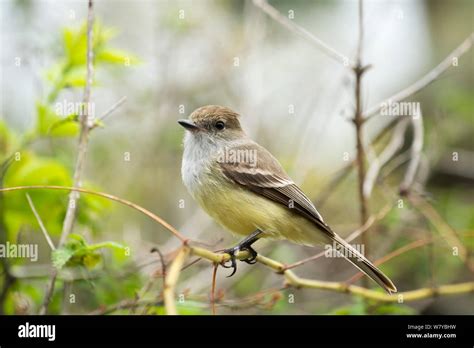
{"type": "Point", "coordinates": [168, 58]}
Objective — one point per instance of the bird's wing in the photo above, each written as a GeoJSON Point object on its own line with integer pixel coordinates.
{"type": "Point", "coordinates": [265, 176]}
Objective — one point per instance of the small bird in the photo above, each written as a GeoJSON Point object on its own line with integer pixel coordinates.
{"type": "Point", "coordinates": [245, 189]}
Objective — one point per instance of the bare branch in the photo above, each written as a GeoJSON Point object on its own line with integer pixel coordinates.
{"type": "Point", "coordinates": [431, 76]}
{"type": "Point", "coordinates": [370, 221]}
{"type": "Point", "coordinates": [213, 289]}
{"type": "Point", "coordinates": [109, 111]}
{"type": "Point", "coordinates": [415, 153]}
{"type": "Point", "coordinates": [295, 28]}
{"type": "Point", "coordinates": [291, 279]}
{"type": "Point", "coordinates": [81, 155]}
{"type": "Point", "coordinates": [144, 211]}
{"type": "Point", "coordinates": [344, 171]}
{"type": "Point", "coordinates": [172, 279]}
{"type": "Point", "coordinates": [40, 223]}
{"type": "Point", "coordinates": [84, 133]}
{"type": "Point", "coordinates": [359, 70]}
{"type": "Point", "coordinates": [393, 254]}
{"type": "Point", "coordinates": [390, 150]}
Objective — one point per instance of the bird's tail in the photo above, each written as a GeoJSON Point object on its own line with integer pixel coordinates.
{"type": "Point", "coordinates": [358, 260]}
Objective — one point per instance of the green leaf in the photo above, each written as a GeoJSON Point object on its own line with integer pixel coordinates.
{"type": "Point", "coordinates": [76, 252]}
{"type": "Point", "coordinates": [50, 124]}
{"type": "Point", "coordinates": [114, 56]}
{"type": "Point", "coordinates": [61, 256]}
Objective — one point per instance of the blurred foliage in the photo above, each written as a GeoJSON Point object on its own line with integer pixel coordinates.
{"type": "Point", "coordinates": [44, 155]}
{"type": "Point", "coordinates": [23, 164]}
{"type": "Point", "coordinates": [76, 252]}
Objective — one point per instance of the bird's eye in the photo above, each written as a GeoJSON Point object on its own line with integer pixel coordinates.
{"type": "Point", "coordinates": [219, 125]}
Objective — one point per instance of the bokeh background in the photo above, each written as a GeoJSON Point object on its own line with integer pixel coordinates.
{"type": "Point", "coordinates": [170, 57]}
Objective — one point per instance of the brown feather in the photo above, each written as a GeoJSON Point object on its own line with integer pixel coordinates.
{"type": "Point", "coordinates": [267, 178]}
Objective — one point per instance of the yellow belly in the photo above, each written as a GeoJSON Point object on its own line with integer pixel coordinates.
{"type": "Point", "coordinates": [242, 212]}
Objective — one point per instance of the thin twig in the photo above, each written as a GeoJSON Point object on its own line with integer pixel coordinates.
{"type": "Point", "coordinates": [172, 279]}
{"type": "Point", "coordinates": [151, 281]}
{"type": "Point", "coordinates": [163, 263]}
{"type": "Point", "coordinates": [109, 111]}
{"type": "Point", "coordinates": [427, 79]}
{"type": "Point", "coordinates": [84, 133]}
{"type": "Point", "coordinates": [359, 70]}
{"type": "Point", "coordinates": [291, 278]}
{"type": "Point", "coordinates": [395, 144]}
{"type": "Point", "coordinates": [40, 223]}
{"type": "Point", "coordinates": [305, 34]}
{"type": "Point", "coordinates": [144, 211]}
{"type": "Point", "coordinates": [413, 245]}
{"type": "Point", "coordinates": [81, 154]}
{"type": "Point", "coordinates": [343, 172]}
{"type": "Point", "coordinates": [370, 221]}
{"type": "Point", "coordinates": [415, 153]}
{"type": "Point", "coordinates": [213, 289]}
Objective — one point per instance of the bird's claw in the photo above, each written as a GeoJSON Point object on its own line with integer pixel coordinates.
{"type": "Point", "coordinates": [233, 263]}
{"type": "Point", "coordinates": [253, 256]}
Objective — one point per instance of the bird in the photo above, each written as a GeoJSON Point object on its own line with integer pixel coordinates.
{"type": "Point", "coordinates": [244, 188]}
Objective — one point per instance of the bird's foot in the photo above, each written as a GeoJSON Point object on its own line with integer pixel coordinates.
{"type": "Point", "coordinates": [244, 245]}
{"type": "Point", "coordinates": [233, 251]}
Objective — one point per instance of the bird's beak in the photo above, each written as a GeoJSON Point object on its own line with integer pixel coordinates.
{"type": "Point", "coordinates": [188, 125]}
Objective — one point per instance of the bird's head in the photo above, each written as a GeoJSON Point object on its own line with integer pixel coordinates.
{"type": "Point", "coordinates": [215, 122]}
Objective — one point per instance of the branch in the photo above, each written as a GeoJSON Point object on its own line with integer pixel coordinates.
{"type": "Point", "coordinates": [415, 153]}
{"type": "Point", "coordinates": [370, 221]}
{"type": "Point", "coordinates": [395, 144]}
{"type": "Point", "coordinates": [149, 284]}
{"type": "Point", "coordinates": [427, 79]}
{"type": "Point", "coordinates": [109, 112]}
{"type": "Point", "coordinates": [298, 30]}
{"type": "Point", "coordinates": [104, 195]}
{"type": "Point", "coordinates": [84, 133]}
{"type": "Point", "coordinates": [172, 279]}
{"type": "Point", "coordinates": [81, 155]}
{"type": "Point", "coordinates": [343, 172]}
{"type": "Point", "coordinates": [414, 245]}
{"type": "Point", "coordinates": [358, 123]}
{"type": "Point", "coordinates": [213, 289]}
{"type": "Point", "coordinates": [40, 223]}
{"type": "Point", "coordinates": [291, 278]}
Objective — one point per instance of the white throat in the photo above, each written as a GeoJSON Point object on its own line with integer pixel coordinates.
{"type": "Point", "coordinates": [199, 152]}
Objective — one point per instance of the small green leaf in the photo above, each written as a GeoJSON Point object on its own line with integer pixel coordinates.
{"type": "Point", "coordinates": [61, 256]}
{"type": "Point", "coordinates": [50, 124]}
{"type": "Point", "coordinates": [76, 252]}
{"type": "Point", "coordinates": [113, 56]}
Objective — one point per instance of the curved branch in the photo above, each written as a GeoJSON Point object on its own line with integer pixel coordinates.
{"type": "Point", "coordinates": [305, 34]}
{"type": "Point", "coordinates": [431, 76]}
{"type": "Point", "coordinates": [104, 195]}
{"type": "Point", "coordinates": [291, 279]}
{"type": "Point", "coordinates": [172, 279]}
